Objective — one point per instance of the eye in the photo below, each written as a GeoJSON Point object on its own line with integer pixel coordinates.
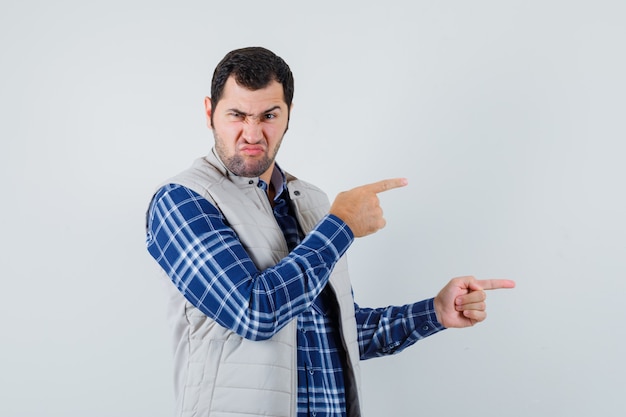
{"type": "Point", "coordinates": [235, 115]}
{"type": "Point", "coordinates": [269, 116]}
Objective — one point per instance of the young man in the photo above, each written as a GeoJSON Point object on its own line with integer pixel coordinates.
{"type": "Point", "coordinates": [261, 307]}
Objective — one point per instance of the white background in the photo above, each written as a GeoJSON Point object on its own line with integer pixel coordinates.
{"type": "Point", "coordinates": [508, 118]}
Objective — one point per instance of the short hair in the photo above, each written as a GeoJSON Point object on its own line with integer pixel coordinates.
{"type": "Point", "coordinates": [253, 68]}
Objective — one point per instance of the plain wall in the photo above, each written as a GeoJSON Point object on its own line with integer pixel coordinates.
{"type": "Point", "coordinates": [507, 117]}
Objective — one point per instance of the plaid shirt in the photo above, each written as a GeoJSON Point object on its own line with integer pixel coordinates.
{"type": "Point", "coordinates": [192, 242]}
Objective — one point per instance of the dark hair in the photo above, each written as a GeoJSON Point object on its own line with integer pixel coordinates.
{"type": "Point", "coordinates": [253, 68]}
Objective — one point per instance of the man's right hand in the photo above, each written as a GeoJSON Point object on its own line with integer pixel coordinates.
{"type": "Point", "coordinates": [360, 207]}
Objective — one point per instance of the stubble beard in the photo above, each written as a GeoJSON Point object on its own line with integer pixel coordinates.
{"type": "Point", "coordinates": [242, 166]}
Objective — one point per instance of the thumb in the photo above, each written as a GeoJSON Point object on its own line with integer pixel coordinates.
{"type": "Point", "coordinates": [474, 285]}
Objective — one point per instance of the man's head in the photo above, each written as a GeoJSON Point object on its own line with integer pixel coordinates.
{"type": "Point", "coordinates": [253, 68]}
{"type": "Point", "coordinates": [249, 109]}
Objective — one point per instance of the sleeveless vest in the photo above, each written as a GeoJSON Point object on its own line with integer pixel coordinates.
{"type": "Point", "coordinates": [217, 373]}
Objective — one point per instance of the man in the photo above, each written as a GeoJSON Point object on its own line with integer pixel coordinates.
{"type": "Point", "coordinates": [261, 307]}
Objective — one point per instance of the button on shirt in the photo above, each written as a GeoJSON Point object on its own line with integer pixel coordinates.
{"type": "Point", "coordinates": [184, 225]}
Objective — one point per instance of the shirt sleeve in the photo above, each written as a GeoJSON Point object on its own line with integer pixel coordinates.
{"type": "Point", "coordinates": [389, 330]}
{"type": "Point", "coordinates": [204, 258]}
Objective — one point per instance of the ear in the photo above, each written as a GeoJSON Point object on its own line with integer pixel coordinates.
{"type": "Point", "coordinates": [289, 118]}
{"type": "Point", "coordinates": [207, 111]}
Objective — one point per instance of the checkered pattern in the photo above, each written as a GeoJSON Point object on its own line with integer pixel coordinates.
{"type": "Point", "coordinates": [191, 241]}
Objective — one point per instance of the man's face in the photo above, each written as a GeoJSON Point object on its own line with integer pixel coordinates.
{"type": "Point", "coordinates": [248, 127]}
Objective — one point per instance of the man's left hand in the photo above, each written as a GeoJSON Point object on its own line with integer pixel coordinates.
{"type": "Point", "coordinates": [461, 303]}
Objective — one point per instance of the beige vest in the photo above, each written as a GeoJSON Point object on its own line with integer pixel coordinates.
{"type": "Point", "coordinates": [217, 372]}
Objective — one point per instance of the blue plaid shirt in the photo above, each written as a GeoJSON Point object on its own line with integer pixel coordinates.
{"type": "Point", "coordinates": [192, 242]}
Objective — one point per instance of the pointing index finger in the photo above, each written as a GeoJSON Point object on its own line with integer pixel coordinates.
{"type": "Point", "coordinates": [495, 284]}
{"type": "Point", "coordinates": [386, 185]}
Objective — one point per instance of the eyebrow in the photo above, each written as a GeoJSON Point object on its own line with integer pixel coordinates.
{"type": "Point", "coordinates": [271, 109]}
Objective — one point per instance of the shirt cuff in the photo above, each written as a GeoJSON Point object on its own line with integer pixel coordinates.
{"type": "Point", "coordinates": [432, 316]}
{"type": "Point", "coordinates": [429, 324]}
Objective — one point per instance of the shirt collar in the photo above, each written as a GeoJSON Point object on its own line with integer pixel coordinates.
{"type": "Point", "coordinates": [278, 180]}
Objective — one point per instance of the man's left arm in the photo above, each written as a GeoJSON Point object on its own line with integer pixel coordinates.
{"type": "Point", "coordinates": [389, 330]}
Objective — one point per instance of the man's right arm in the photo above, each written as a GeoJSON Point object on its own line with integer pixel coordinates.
{"type": "Point", "coordinates": [204, 258]}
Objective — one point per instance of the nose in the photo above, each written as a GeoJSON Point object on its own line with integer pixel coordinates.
{"type": "Point", "coordinates": [252, 131]}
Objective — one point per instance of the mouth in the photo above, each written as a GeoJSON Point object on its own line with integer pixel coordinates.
{"type": "Point", "coordinates": [252, 150]}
